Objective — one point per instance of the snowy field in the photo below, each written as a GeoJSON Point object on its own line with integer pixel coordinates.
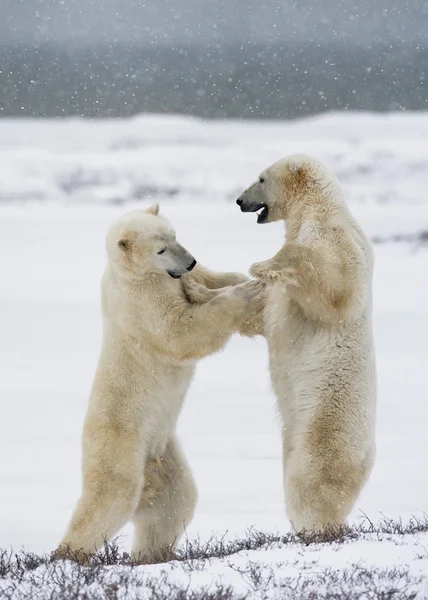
{"type": "Point", "coordinates": [62, 183]}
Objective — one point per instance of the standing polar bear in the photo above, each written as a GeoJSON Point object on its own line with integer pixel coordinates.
{"type": "Point", "coordinates": [133, 467]}
{"type": "Point", "coordinates": [318, 324]}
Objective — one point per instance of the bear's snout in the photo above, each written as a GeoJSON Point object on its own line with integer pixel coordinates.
{"type": "Point", "coordinates": [192, 266]}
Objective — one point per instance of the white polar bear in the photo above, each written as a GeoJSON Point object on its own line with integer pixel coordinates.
{"type": "Point", "coordinates": [318, 324]}
{"type": "Point", "coordinates": [133, 467]}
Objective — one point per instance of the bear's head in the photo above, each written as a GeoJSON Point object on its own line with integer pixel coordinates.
{"type": "Point", "coordinates": [287, 186]}
{"type": "Point", "coordinates": [140, 242]}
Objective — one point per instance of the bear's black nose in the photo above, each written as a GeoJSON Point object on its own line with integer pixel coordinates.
{"type": "Point", "coordinates": [192, 266]}
{"type": "Point", "coordinates": [239, 202]}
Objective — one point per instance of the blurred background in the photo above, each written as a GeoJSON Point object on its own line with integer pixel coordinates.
{"type": "Point", "coordinates": [211, 58]}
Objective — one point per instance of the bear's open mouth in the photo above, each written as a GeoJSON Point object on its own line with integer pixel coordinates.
{"type": "Point", "coordinates": [263, 215]}
{"type": "Point", "coordinates": [174, 274]}
{"type": "Point", "coordinates": [255, 207]}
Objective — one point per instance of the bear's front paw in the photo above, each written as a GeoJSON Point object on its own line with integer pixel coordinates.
{"type": "Point", "coordinates": [268, 271]}
{"type": "Point", "coordinates": [196, 292]}
{"type": "Point", "coordinates": [264, 270]}
{"type": "Point", "coordinates": [259, 269]}
{"type": "Point", "coordinates": [248, 291]}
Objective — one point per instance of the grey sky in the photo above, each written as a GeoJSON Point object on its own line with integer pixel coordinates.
{"type": "Point", "coordinates": [173, 21]}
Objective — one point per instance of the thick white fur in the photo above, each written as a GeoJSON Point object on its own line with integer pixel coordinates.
{"type": "Point", "coordinates": [318, 325]}
{"type": "Point", "coordinates": [133, 468]}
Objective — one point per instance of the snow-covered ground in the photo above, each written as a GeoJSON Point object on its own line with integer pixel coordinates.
{"type": "Point", "coordinates": [62, 182]}
{"type": "Point", "coordinates": [386, 563]}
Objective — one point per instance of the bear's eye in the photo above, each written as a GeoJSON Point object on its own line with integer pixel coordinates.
{"type": "Point", "coordinates": [123, 244]}
{"type": "Point", "coordinates": [162, 251]}
{"type": "Point", "coordinates": [262, 179]}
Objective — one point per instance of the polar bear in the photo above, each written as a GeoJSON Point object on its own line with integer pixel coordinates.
{"type": "Point", "coordinates": [318, 324]}
{"type": "Point", "coordinates": [133, 467]}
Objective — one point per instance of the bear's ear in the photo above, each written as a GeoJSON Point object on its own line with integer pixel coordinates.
{"type": "Point", "coordinates": [123, 243]}
{"type": "Point", "coordinates": [294, 167]}
{"type": "Point", "coordinates": [153, 210]}
{"type": "Point", "coordinates": [300, 174]}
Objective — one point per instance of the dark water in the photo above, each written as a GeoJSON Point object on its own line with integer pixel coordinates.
{"type": "Point", "coordinates": [275, 80]}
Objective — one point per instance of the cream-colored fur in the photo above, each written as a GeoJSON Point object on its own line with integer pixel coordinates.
{"type": "Point", "coordinates": [318, 325]}
{"type": "Point", "coordinates": [133, 468]}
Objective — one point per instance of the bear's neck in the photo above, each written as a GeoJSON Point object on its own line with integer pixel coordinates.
{"type": "Point", "coordinates": [312, 208]}
{"type": "Point", "coordinates": [134, 282]}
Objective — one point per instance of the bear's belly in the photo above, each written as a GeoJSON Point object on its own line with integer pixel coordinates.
{"type": "Point", "coordinates": [145, 396]}
{"type": "Point", "coordinates": [297, 358]}
{"type": "Point", "coordinates": [313, 366]}
{"type": "Point", "coordinates": [277, 332]}
{"type": "Point", "coordinates": [164, 408]}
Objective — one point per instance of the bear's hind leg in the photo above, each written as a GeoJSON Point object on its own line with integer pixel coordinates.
{"type": "Point", "coordinates": [112, 483]}
{"type": "Point", "coordinates": [166, 506]}
{"type": "Point", "coordinates": [320, 494]}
